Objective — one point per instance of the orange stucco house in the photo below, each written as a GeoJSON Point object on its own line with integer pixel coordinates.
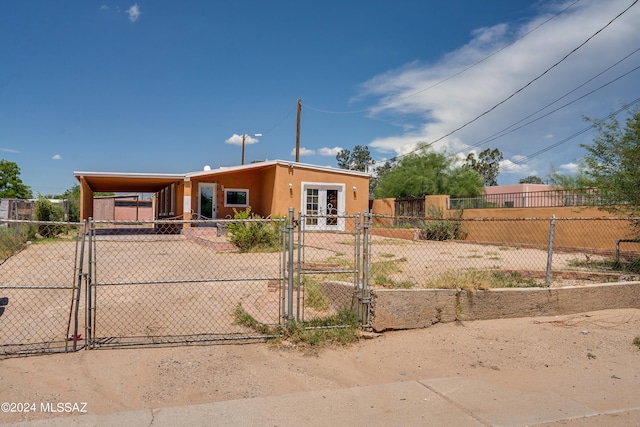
{"type": "Point", "coordinates": [269, 188]}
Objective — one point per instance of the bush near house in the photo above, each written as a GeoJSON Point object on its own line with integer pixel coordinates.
{"type": "Point", "coordinates": [250, 234]}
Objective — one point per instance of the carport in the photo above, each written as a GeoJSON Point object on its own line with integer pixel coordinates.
{"type": "Point", "coordinates": [92, 182]}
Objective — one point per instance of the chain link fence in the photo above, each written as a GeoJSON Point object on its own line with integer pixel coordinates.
{"type": "Point", "coordinates": [40, 279]}
{"type": "Point", "coordinates": [64, 286]}
{"type": "Point", "coordinates": [412, 252]}
{"type": "Point", "coordinates": [183, 281]}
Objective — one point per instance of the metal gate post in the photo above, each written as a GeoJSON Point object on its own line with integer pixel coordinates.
{"type": "Point", "coordinates": [285, 269]}
{"type": "Point", "coordinates": [290, 267]}
{"type": "Point", "coordinates": [357, 266]}
{"type": "Point", "coordinates": [79, 283]}
{"type": "Point", "coordinates": [552, 228]}
{"type": "Point", "coordinates": [88, 323]}
{"type": "Point", "coordinates": [366, 254]}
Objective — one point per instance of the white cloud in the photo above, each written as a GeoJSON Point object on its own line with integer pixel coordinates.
{"type": "Point", "coordinates": [134, 13]}
{"type": "Point", "coordinates": [104, 7]}
{"type": "Point", "coordinates": [57, 157]}
{"type": "Point", "coordinates": [236, 139]}
{"type": "Point", "coordinates": [509, 167]}
{"type": "Point", "coordinates": [303, 152]}
{"type": "Point", "coordinates": [326, 151]}
{"type": "Point", "coordinates": [430, 103]}
{"type": "Point", "coordinates": [9, 150]}
{"type": "Point", "coordinates": [570, 167]}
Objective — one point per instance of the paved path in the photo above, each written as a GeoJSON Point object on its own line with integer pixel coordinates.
{"type": "Point", "coordinates": [450, 401]}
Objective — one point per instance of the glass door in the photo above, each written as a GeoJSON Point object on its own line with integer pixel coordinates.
{"type": "Point", "coordinates": [323, 204]}
{"type": "Point", "coordinates": [207, 200]}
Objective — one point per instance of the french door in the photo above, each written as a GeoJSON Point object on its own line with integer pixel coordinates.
{"type": "Point", "coordinates": [322, 205]}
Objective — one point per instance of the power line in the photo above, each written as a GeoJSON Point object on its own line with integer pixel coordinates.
{"type": "Point", "coordinates": [422, 146]}
{"type": "Point", "coordinates": [495, 52]}
{"type": "Point", "coordinates": [511, 129]}
{"type": "Point", "coordinates": [280, 122]}
{"type": "Point", "coordinates": [580, 132]}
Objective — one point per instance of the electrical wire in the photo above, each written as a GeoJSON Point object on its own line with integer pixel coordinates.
{"type": "Point", "coordinates": [580, 132]}
{"type": "Point", "coordinates": [424, 145]}
{"type": "Point", "coordinates": [495, 52]}
{"type": "Point", "coordinates": [512, 129]}
{"type": "Point", "coordinates": [280, 122]}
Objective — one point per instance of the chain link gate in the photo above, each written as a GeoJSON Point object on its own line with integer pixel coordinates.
{"type": "Point", "coordinates": [165, 282]}
{"type": "Point", "coordinates": [41, 271]}
{"type": "Point", "coordinates": [325, 270]}
{"type": "Point", "coordinates": [173, 281]}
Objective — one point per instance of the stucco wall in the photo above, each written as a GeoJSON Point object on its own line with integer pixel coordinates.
{"type": "Point", "coordinates": [284, 197]}
{"type": "Point", "coordinates": [257, 181]}
{"type": "Point", "coordinates": [270, 193]}
{"type": "Point", "coordinates": [599, 232]}
{"type": "Point", "coordinates": [126, 213]}
{"type": "Point", "coordinates": [572, 230]}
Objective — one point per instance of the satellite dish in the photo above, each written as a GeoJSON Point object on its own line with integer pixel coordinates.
{"type": "Point", "coordinates": [206, 168]}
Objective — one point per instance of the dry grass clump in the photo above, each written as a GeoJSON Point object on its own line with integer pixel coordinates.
{"type": "Point", "coordinates": [479, 280]}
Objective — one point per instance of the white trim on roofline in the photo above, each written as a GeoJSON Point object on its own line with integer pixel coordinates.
{"type": "Point", "coordinates": [222, 169]}
{"type": "Point", "coordinates": [275, 162]}
{"type": "Point", "coordinates": [128, 175]}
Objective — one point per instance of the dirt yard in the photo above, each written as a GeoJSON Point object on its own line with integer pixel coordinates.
{"type": "Point", "coordinates": [590, 351]}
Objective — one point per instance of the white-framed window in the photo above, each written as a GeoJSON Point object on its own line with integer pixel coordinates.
{"type": "Point", "coordinates": [236, 197]}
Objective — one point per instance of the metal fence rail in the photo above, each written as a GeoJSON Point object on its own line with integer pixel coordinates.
{"type": "Point", "coordinates": [180, 281]}
{"type": "Point", "coordinates": [40, 283]}
{"type": "Point", "coordinates": [530, 199]}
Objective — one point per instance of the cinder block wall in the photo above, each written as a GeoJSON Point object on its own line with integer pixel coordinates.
{"type": "Point", "coordinates": [419, 308]}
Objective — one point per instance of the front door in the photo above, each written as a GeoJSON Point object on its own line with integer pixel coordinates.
{"type": "Point", "coordinates": [207, 200]}
{"type": "Point", "coordinates": [323, 204]}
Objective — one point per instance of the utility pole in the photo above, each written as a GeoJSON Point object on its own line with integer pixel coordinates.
{"type": "Point", "coordinates": [298, 131]}
{"type": "Point", "coordinates": [243, 136]}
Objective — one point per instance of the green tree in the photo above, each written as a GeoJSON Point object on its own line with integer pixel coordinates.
{"type": "Point", "coordinates": [576, 181]}
{"type": "Point", "coordinates": [358, 160]}
{"type": "Point", "coordinates": [11, 186]}
{"type": "Point", "coordinates": [425, 173]}
{"type": "Point", "coordinates": [72, 196]}
{"type": "Point", "coordinates": [379, 172]}
{"type": "Point", "coordinates": [612, 163]}
{"type": "Point", "coordinates": [487, 165]}
{"type": "Point", "coordinates": [531, 179]}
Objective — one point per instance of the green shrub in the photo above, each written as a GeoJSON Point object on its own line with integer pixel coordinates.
{"type": "Point", "coordinates": [441, 230]}
{"type": "Point", "coordinates": [251, 234]}
{"type": "Point", "coordinates": [47, 211]}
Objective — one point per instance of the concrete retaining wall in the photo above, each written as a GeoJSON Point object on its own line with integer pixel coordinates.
{"type": "Point", "coordinates": [419, 308]}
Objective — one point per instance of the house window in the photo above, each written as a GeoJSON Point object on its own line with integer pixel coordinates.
{"type": "Point", "coordinates": [236, 198]}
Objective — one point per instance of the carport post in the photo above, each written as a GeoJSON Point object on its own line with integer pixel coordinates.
{"type": "Point", "coordinates": [290, 227]}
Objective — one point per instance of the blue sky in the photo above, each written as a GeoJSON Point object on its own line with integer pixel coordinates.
{"type": "Point", "coordinates": [162, 86]}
